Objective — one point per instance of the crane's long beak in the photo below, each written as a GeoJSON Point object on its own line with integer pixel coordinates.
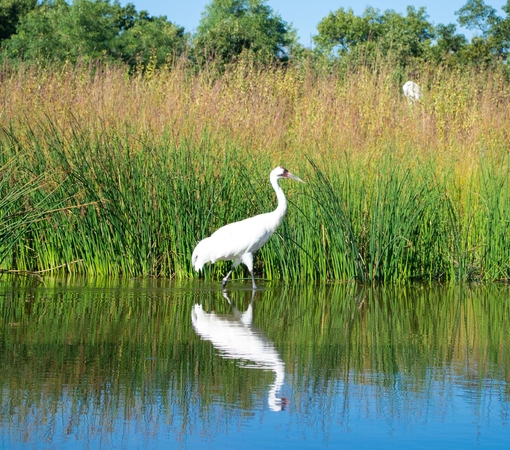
{"type": "Point", "coordinates": [294, 177]}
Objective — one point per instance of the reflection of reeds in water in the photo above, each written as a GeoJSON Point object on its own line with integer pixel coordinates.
{"type": "Point", "coordinates": [378, 336]}
{"type": "Point", "coordinates": [124, 352]}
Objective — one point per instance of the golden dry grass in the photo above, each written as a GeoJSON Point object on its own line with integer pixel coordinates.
{"type": "Point", "coordinates": [278, 112]}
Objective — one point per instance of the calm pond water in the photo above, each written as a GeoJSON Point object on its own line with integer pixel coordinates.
{"type": "Point", "coordinates": [155, 364]}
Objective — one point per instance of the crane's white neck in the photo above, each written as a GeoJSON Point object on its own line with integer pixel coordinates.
{"type": "Point", "coordinates": [281, 209]}
{"type": "Point", "coordinates": [275, 403]}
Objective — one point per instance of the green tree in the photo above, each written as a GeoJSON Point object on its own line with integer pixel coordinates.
{"type": "Point", "coordinates": [476, 15]}
{"type": "Point", "coordinates": [39, 33]}
{"type": "Point", "coordinates": [150, 37]}
{"type": "Point", "coordinates": [449, 45]}
{"type": "Point", "coordinates": [230, 27]}
{"type": "Point", "coordinates": [501, 32]}
{"type": "Point", "coordinates": [11, 11]}
{"type": "Point", "coordinates": [492, 44]}
{"type": "Point", "coordinates": [407, 36]}
{"type": "Point", "coordinates": [88, 29]}
{"type": "Point", "coordinates": [342, 33]}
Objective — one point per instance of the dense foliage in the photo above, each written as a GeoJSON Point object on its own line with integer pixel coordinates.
{"type": "Point", "coordinates": [61, 30]}
{"type": "Point", "coordinates": [92, 29]}
{"type": "Point", "coordinates": [11, 12]}
{"type": "Point", "coordinates": [342, 33]}
{"type": "Point", "coordinates": [230, 27]}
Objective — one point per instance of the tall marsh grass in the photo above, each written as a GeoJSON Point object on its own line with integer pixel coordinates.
{"type": "Point", "coordinates": [140, 168]}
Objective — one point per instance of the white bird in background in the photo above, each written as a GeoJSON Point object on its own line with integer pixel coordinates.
{"type": "Point", "coordinates": [235, 337]}
{"type": "Point", "coordinates": [412, 91]}
{"type": "Point", "coordinates": [238, 241]}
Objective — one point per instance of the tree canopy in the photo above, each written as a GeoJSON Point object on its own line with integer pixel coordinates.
{"type": "Point", "coordinates": [230, 27]}
{"type": "Point", "coordinates": [411, 37]}
{"type": "Point", "coordinates": [86, 29]}
{"type": "Point", "coordinates": [81, 30]}
{"type": "Point", "coordinates": [11, 11]}
{"type": "Point", "coordinates": [343, 34]}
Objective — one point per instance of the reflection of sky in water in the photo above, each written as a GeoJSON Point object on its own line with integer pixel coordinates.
{"type": "Point", "coordinates": [367, 416]}
{"type": "Point", "coordinates": [361, 411]}
{"type": "Point", "coordinates": [443, 415]}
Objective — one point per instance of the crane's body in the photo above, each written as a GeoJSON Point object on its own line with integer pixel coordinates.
{"type": "Point", "coordinates": [238, 238]}
{"type": "Point", "coordinates": [238, 241]}
{"type": "Point", "coordinates": [412, 91]}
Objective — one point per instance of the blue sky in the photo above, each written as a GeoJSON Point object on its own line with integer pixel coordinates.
{"type": "Point", "coordinates": [305, 15]}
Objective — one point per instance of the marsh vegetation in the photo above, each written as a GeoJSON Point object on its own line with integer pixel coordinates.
{"type": "Point", "coordinates": [108, 173]}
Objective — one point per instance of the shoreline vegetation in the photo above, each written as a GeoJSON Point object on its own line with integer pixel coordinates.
{"type": "Point", "coordinates": [109, 172]}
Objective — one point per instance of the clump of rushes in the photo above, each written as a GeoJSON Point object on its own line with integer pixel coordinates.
{"type": "Point", "coordinates": [145, 166]}
{"type": "Point", "coordinates": [25, 201]}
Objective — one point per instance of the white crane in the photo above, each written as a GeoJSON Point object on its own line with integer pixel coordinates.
{"type": "Point", "coordinates": [238, 241]}
{"type": "Point", "coordinates": [235, 338]}
{"type": "Point", "coordinates": [412, 91]}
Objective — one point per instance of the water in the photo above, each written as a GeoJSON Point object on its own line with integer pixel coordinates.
{"type": "Point", "coordinates": [155, 364]}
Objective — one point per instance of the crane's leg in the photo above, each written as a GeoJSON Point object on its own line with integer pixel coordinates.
{"type": "Point", "coordinates": [247, 260]}
{"type": "Point", "coordinates": [224, 281]}
{"type": "Point", "coordinates": [254, 286]}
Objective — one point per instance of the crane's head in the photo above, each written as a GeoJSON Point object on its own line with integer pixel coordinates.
{"type": "Point", "coordinates": [200, 255]}
{"type": "Point", "coordinates": [282, 172]}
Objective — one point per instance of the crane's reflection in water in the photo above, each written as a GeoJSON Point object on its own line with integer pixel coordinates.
{"type": "Point", "coordinates": [234, 336]}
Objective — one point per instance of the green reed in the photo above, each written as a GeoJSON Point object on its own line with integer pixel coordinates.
{"type": "Point", "coordinates": [383, 225]}
{"type": "Point", "coordinates": [136, 171]}
{"type": "Point", "coordinates": [118, 210]}
{"type": "Point", "coordinates": [494, 219]}
{"type": "Point", "coordinates": [26, 199]}
{"type": "Point", "coordinates": [141, 211]}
